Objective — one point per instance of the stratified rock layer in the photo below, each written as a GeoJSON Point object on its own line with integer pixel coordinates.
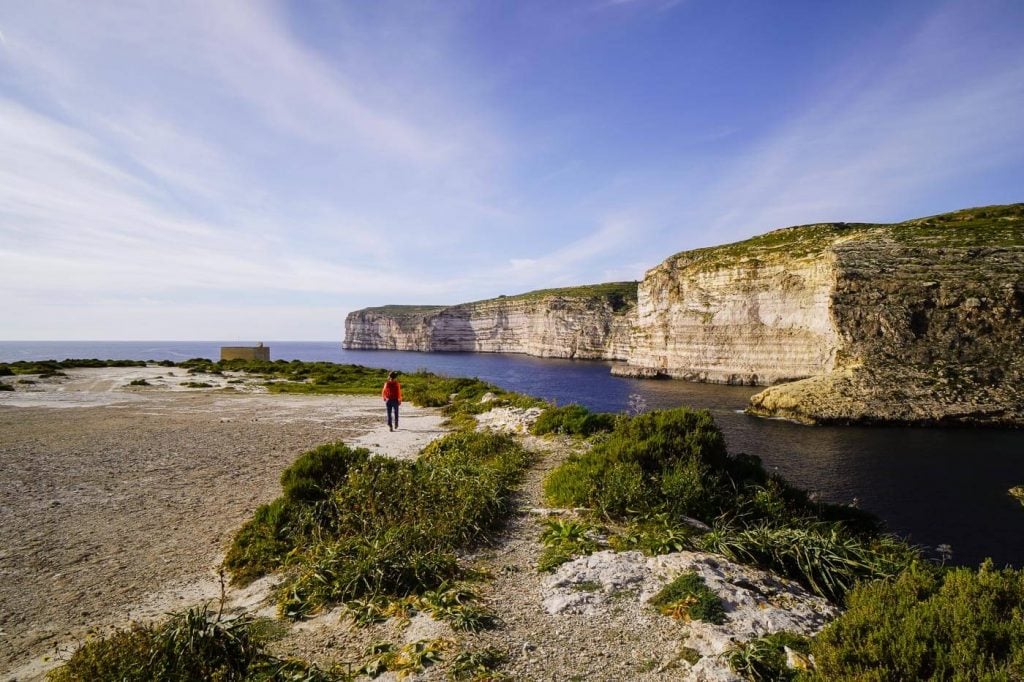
{"type": "Point", "coordinates": [584, 323]}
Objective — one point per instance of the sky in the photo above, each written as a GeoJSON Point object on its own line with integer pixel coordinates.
{"type": "Point", "coordinates": [249, 170]}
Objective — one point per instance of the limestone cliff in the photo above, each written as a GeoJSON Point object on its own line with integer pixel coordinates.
{"type": "Point", "coordinates": [920, 322]}
{"type": "Point", "coordinates": [916, 322]}
{"type": "Point", "coordinates": [579, 322]}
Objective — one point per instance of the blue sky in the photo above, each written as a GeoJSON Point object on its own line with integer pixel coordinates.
{"type": "Point", "coordinates": [252, 170]}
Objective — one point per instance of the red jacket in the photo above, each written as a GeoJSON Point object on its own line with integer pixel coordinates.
{"type": "Point", "coordinates": [392, 391]}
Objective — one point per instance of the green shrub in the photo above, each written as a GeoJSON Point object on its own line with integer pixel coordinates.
{"type": "Point", "coordinates": [317, 472]}
{"type": "Point", "coordinates": [573, 420]}
{"type": "Point", "coordinates": [654, 534]}
{"type": "Point", "coordinates": [688, 597]}
{"type": "Point", "coordinates": [351, 525]}
{"type": "Point", "coordinates": [929, 624]}
{"type": "Point", "coordinates": [764, 659]}
{"type": "Point", "coordinates": [823, 557]}
{"type": "Point", "coordinates": [641, 462]}
{"type": "Point", "coordinates": [187, 646]}
{"type": "Point", "coordinates": [5, 371]}
{"type": "Point", "coordinates": [565, 540]}
{"type": "Point", "coordinates": [6, 387]}
{"type": "Point", "coordinates": [138, 382]}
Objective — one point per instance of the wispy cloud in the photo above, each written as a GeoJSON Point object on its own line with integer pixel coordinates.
{"type": "Point", "coordinates": [877, 137]}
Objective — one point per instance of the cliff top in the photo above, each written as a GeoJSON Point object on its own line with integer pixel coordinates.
{"type": "Point", "coordinates": [619, 294]}
{"type": "Point", "coordinates": [982, 226]}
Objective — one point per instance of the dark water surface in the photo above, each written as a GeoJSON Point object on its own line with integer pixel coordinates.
{"type": "Point", "coordinates": [934, 486]}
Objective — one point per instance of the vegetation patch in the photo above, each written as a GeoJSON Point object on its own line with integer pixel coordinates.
{"type": "Point", "coordinates": [687, 598]}
{"type": "Point", "coordinates": [929, 624]}
{"type": "Point", "coordinates": [53, 367]}
{"type": "Point", "coordinates": [139, 382]}
{"type": "Point", "coordinates": [564, 540]}
{"type": "Point", "coordinates": [194, 645]}
{"type": "Point", "coordinates": [478, 664]}
{"type": "Point", "coordinates": [572, 420]}
{"type": "Point", "coordinates": [351, 525]}
{"type": "Point", "coordinates": [658, 469]}
{"type": "Point", "coordinates": [764, 659]}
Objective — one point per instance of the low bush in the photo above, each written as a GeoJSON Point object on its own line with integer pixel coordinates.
{"type": "Point", "coordinates": [139, 382]}
{"type": "Point", "coordinates": [659, 469]}
{"type": "Point", "coordinates": [351, 525]}
{"type": "Point", "coordinates": [824, 557]}
{"type": "Point", "coordinates": [572, 420]}
{"type": "Point", "coordinates": [187, 646]}
{"type": "Point", "coordinates": [6, 387]}
{"type": "Point", "coordinates": [688, 597]}
{"type": "Point", "coordinates": [928, 624]}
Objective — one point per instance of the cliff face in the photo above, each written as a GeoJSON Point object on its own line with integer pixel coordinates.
{"type": "Point", "coordinates": [930, 316]}
{"type": "Point", "coordinates": [918, 322]}
{"type": "Point", "coordinates": [583, 323]}
{"type": "Point", "coordinates": [756, 321]}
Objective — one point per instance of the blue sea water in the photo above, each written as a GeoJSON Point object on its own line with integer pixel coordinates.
{"type": "Point", "coordinates": [935, 486]}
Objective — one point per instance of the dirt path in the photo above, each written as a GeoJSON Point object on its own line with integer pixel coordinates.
{"type": "Point", "coordinates": [122, 507]}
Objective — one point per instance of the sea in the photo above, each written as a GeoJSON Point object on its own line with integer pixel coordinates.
{"type": "Point", "coordinates": [935, 487]}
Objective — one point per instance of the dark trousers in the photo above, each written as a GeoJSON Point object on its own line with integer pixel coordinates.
{"type": "Point", "coordinates": [393, 407]}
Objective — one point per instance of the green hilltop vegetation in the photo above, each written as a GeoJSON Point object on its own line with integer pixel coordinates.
{"type": "Point", "coordinates": [986, 226]}
{"type": "Point", "coordinates": [619, 295]}
{"type": "Point", "coordinates": [383, 538]}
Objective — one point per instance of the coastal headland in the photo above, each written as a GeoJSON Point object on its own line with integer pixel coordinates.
{"type": "Point", "coordinates": [919, 322]}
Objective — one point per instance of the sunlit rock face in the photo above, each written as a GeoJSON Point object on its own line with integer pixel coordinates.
{"type": "Point", "coordinates": [554, 326]}
{"type": "Point", "coordinates": [751, 322]}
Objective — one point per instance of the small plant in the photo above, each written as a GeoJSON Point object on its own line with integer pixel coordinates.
{"type": "Point", "coordinates": [139, 382]}
{"type": "Point", "coordinates": [1017, 491]}
{"type": "Point", "coordinates": [564, 540]}
{"type": "Point", "coordinates": [764, 659]}
{"type": "Point", "coordinates": [480, 664]}
{"type": "Point", "coordinates": [197, 384]}
{"type": "Point", "coordinates": [655, 534]}
{"type": "Point", "coordinates": [6, 387]}
{"type": "Point", "coordinates": [636, 404]}
{"type": "Point", "coordinates": [406, 660]}
{"type": "Point", "coordinates": [27, 381]}
{"type": "Point", "coordinates": [687, 597]}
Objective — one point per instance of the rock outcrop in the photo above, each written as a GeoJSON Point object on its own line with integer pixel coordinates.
{"type": "Point", "coordinates": [920, 322]}
{"type": "Point", "coordinates": [582, 322]}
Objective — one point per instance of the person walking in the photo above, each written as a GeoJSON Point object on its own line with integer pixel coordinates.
{"type": "Point", "coordinates": [392, 394]}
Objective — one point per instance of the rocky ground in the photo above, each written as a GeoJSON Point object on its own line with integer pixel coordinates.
{"type": "Point", "coordinates": [123, 510]}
